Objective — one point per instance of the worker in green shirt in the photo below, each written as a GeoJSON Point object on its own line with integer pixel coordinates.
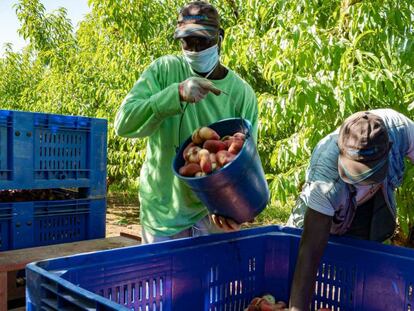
{"type": "Point", "coordinates": [174, 96]}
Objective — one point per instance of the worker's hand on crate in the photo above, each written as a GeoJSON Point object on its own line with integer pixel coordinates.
{"type": "Point", "coordinates": [224, 223]}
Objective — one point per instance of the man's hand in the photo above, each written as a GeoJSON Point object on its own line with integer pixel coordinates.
{"type": "Point", "coordinates": [314, 238]}
{"type": "Point", "coordinates": [226, 224]}
{"type": "Point", "coordinates": [195, 89]}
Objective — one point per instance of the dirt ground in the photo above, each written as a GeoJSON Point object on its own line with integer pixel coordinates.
{"type": "Point", "coordinates": [121, 217]}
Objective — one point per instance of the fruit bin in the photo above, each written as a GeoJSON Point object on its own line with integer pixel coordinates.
{"type": "Point", "coordinates": [40, 151]}
{"type": "Point", "coordinates": [38, 223]}
{"type": "Point", "coordinates": [222, 272]}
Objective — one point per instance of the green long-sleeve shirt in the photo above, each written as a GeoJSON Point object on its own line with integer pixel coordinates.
{"type": "Point", "coordinates": [152, 108]}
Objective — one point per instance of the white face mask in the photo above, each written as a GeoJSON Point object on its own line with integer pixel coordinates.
{"type": "Point", "coordinates": [203, 61]}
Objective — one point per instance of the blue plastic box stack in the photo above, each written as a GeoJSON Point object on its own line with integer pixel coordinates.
{"type": "Point", "coordinates": [51, 152]}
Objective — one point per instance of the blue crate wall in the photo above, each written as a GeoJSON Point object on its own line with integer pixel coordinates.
{"type": "Point", "coordinates": [40, 151]}
{"type": "Point", "coordinates": [148, 284]}
{"type": "Point", "coordinates": [230, 281]}
{"type": "Point", "coordinates": [168, 281]}
{"type": "Point", "coordinates": [29, 224]}
{"type": "Point", "coordinates": [222, 272]}
{"type": "Point", "coordinates": [5, 133]}
{"type": "Point", "coordinates": [6, 215]}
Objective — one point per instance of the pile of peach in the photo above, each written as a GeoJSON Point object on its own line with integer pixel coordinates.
{"type": "Point", "coordinates": [208, 152]}
{"type": "Point", "coordinates": [268, 303]}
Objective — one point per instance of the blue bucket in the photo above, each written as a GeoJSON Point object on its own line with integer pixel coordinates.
{"type": "Point", "coordinates": [239, 189]}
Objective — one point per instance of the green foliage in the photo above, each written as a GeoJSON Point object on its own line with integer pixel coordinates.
{"type": "Point", "coordinates": [311, 63]}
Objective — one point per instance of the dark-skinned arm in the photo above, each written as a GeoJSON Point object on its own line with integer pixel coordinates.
{"type": "Point", "coordinates": [315, 236]}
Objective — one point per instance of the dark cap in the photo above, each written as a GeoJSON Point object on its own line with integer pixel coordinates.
{"type": "Point", "coordinates": [198, 19]}
{"type": "Point", "coordinates": [363, 149]}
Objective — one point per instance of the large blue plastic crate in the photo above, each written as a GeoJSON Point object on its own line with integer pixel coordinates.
{"type": "Point", "coordinates": [29, 224]}
{"type": "Point", "coordinates": [222, 272]}
{"type": "Point", "coordinates": [40, 151]}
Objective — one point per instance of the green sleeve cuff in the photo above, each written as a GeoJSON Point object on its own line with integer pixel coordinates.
{"type": "Point", "coordinates": [167, 102]}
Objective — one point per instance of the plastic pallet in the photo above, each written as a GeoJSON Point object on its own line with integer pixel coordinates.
{"type": "Point", "coordinates": [40, 151]}
{"type": "Point", "coordinates": [222, 272]}
{"type": "Point", "coordinates": [29, 224]}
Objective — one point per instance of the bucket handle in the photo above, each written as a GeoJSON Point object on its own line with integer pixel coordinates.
{"type": "Point", "coordinates": [177, 148]}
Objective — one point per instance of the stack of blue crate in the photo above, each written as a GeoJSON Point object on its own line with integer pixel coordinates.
{"type": "Point", "coordinates": [62, 157]}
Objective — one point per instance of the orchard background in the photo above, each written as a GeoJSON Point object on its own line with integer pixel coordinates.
{"type": "Point", "coordinates": [311, 62]}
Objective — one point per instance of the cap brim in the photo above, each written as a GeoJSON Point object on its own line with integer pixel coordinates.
{"type": "Point", "coordinates": [195, 30]}
{"type": "Point", "coordinates": [356, 168]}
